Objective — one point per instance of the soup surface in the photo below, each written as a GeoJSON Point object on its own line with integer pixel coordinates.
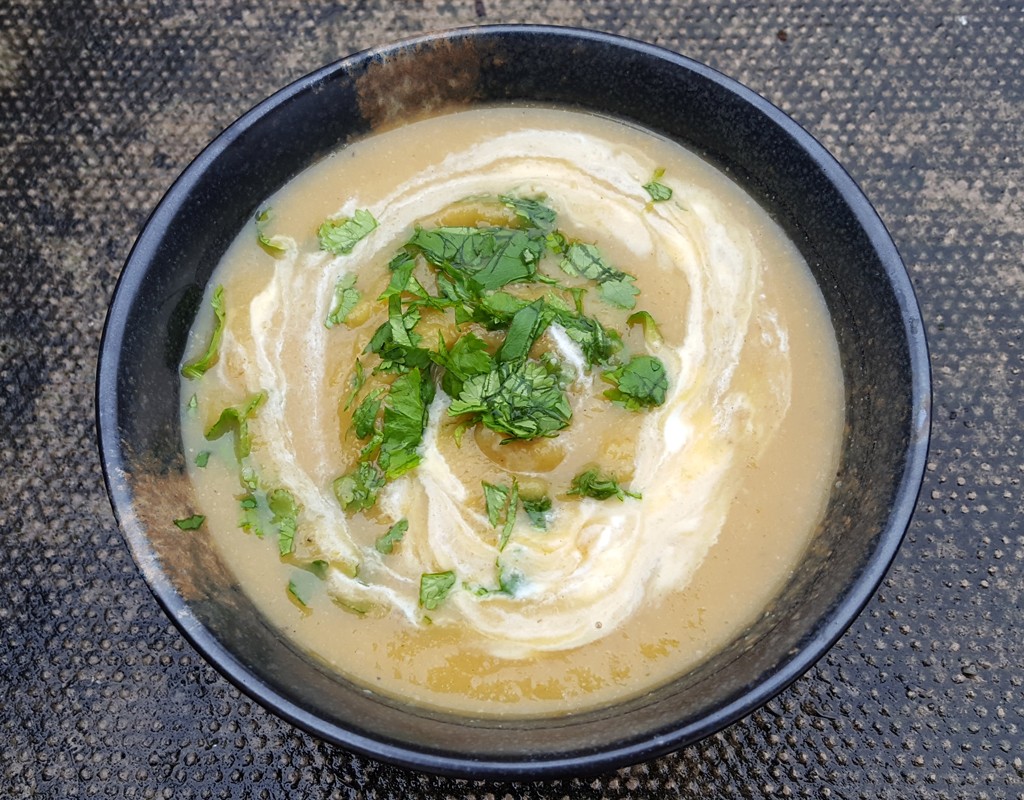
{"type": "Point", "coordinates": [511, 411]}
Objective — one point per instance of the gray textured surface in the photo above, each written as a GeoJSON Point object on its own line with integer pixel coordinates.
{"type": "Point", "coordinates": [101, 106]}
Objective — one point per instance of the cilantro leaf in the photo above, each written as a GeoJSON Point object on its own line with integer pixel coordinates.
{"type": "Point", "coordinates": [468, 356]}
{"type": "Point", "coordinates": [510, 515]}
{"type": "Point", "coordinates": [250, 519]}
{"type": "Point", "coordinates": [202, 458]}
{"type": "Point", "coordinates": [340, 236]}
{"type": "Point", "coordinates": [509, 580]}
{"type": "Point", "coordinates": [537, 509]}
{"type": "Point", "coordinates": [524, 329]}
{"type": "Point", "coordinates": [434, 588]}
{"type": "Point", "coordinates": [496, 501]}
{"type": "Point", "coordinates": [346, 298]}
{"type": "Point", "coordinates": [190, 523]}
{"type": "Point", "coordinates": [523, 399]}
{"type": "Point", "coordinates": [236, 418]}
{"type": "Point", "coordinates": [299, 590]}
{"type": "Point", "coordinates": [365, 415]}
{"type": "Point", "coordinates": [640, 383]}
{"type": "Point", "coordinates": [358, 379]}
{"type": "Point", "coordinates": [405, 419]}
{"type": "Point", "coordinates": [651, 333]}
{"type": "Point", "coordinates": [358, 489]}
{"type": "Point", "coordinates": [532, 211]}
{"type": "Point", "coordinates": [396, 341]}
{"type": "Point", "coordinates": [386, 543]}
{"type": "Point", "coordinates": [481, 259]}
{"type": "Point", "coordinates": [197, 367]}
{"type": "Point", "coordinates": [658, 191]}
{"type": "Point", "coordinates": [586, 261]}
{"type": "Point", "coordinates": [597, 343]}
{"type": "Point", "coordinates": [285, 515]}
{"type": "Point", "coordinates": [599, 485]}
{"type": "Point", "coordinates": [274, 245]}
{"type": "Point", "coordinates": [621, 293]}
{"type": "Point", "coordinates": [502, 506]}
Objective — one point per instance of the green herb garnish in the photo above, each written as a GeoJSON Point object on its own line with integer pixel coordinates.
{"type": "Point", "coordinates": [340, 236]}
{"type": "Point", "coordinates": [640, 383]}
{"type": "Point", "coordinates": [236, 418]}
{"type": "Point", "coordinates": [502, 505]}
{"type": "Point", "coordinates": [614, 286]}
{"type": "Point", "coordinates": [202, 458]}
{"type": "Point", "coordinates": [650, 328]}
{"type": "Point", "coordinates": [346, 298]}
{"type": "Point", "coordinates": [190, 523]}
{"type": "Point", "coordinates": [386, 543]}
{"type": "Point", "coordinates": [358, 489]}
{"type": "Point", "coordinates": [250, 518]}
{"type": "Point", "coordinates": [285, 515]}
{"type": "Point", "coordinates": [434, 588]}
{"type": "Point", "coordinates": [599, 485]}
{"type": "Point", "coordinates": [659, 192]}
{"type": "Point", "coordinates": [198, 366]}
{"type": "Point", "coordinates": [274, 245]}
{"type": "Point", "coordinates": [537, 509]}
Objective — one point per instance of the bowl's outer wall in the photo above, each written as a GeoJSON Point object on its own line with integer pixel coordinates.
{"type": "Point", "coordinates": [859, 271]}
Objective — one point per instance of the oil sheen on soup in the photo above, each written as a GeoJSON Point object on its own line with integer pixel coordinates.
{"type": "Point", "coordinates": [511, 411]}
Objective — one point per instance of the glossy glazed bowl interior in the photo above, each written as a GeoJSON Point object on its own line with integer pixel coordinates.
{"type": "Point", "coordinates": [865, 285]}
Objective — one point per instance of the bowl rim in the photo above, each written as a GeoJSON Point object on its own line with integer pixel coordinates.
{"type": "Point", "coordinates": [841, 615]}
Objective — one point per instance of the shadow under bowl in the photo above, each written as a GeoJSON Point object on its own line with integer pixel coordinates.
{"type": "Point", "coordinates": [864, 283]}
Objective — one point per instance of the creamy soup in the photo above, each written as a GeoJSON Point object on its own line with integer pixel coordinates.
{"type": "Point", "coordinates": [513, 411]}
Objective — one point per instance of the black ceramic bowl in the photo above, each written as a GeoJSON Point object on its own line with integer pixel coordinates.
{"type": "Point", "coordinates": [865, 285]}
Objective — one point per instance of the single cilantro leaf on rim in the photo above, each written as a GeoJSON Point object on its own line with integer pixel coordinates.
{"type": "Point", "coordinates": [190, 523]}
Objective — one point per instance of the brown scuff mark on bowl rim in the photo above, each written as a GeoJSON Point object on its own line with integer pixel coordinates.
{"type": "Point", "coordinates": [429, 79]}
{"type": "Point", "coordinates": [185, 561]}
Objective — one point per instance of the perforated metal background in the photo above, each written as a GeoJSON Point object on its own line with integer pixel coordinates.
{"type": "Point", "coordinates": [101, 106]}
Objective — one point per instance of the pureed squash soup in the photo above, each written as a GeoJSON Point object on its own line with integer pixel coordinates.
{"type": "Point", "coordinates": [512, 411]}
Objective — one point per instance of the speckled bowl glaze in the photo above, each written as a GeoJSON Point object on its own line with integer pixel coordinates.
{"type": "Point", "coordinates": [864, 282]}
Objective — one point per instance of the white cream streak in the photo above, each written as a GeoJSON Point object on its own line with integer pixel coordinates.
{"type": "Point", "coordinates": [600, 560]}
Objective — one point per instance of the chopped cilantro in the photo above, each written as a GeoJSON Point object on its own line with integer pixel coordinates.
{"type": "Point", "coordinates": [599, 485]}
{"type": "Point", "coordinates": [537, 509]}
{"type": "Point", "coordinates": [434, 588]}
{"type": "Point", "coordinates": [358, 379]}
{"type": "Point", "coordinates": [274, 245]}
{"type": "Point", "coordinates": [481, 259]}
{"type": "Point", "coordinates": [190, 523]}
{"type": "Point", "coordinates": [651, 333]}
{"type": "Point", "coordinates": [615, 287]}
{"type": "Point", "coordinates": [299, 591]}
{"type": "Point", "coordinates": [197, 367]}
{"type": "Point", "coordinates": [523, 330]}
{"type": "Point", "coordinates": [202, 458]}
{"type": "Point", "coordinates": [285, 516]}
{"type": "Point", "coordinates": [524, 399]}
{"type": "Point", "coordinates": [250, 518]}
{"type": "Point", "coordinates": [365, 415]}
{"type": "Point", "coordinates": [346, 298]}
{"type": "Point", "coordinates": [496, 502]}
{"type": "Point", "coordinates": [640, 383]}
{"type": "Point", "coordinates": [502, 505]}
{"type": "Point", "coordinates": [192, 404]}
{"type": "Point", "coordinates": [468, 356]}
{"type": "Point", "coordinates": [658, 191]}
{"type": "Point", "coordinates": [405, 419]}
{"type": "Point", "coordinates": [236, 418]}
{"type": "Point", "coordinates": [386, 543]}
{"type": "Point", "coordinates": [358, 489]}
{"type": "Point", "coordinates": [509, 580]}
{"type": "Point", "coordinates": [533, 212]}
{"type": "Point", "coordinates": [340, 236]}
